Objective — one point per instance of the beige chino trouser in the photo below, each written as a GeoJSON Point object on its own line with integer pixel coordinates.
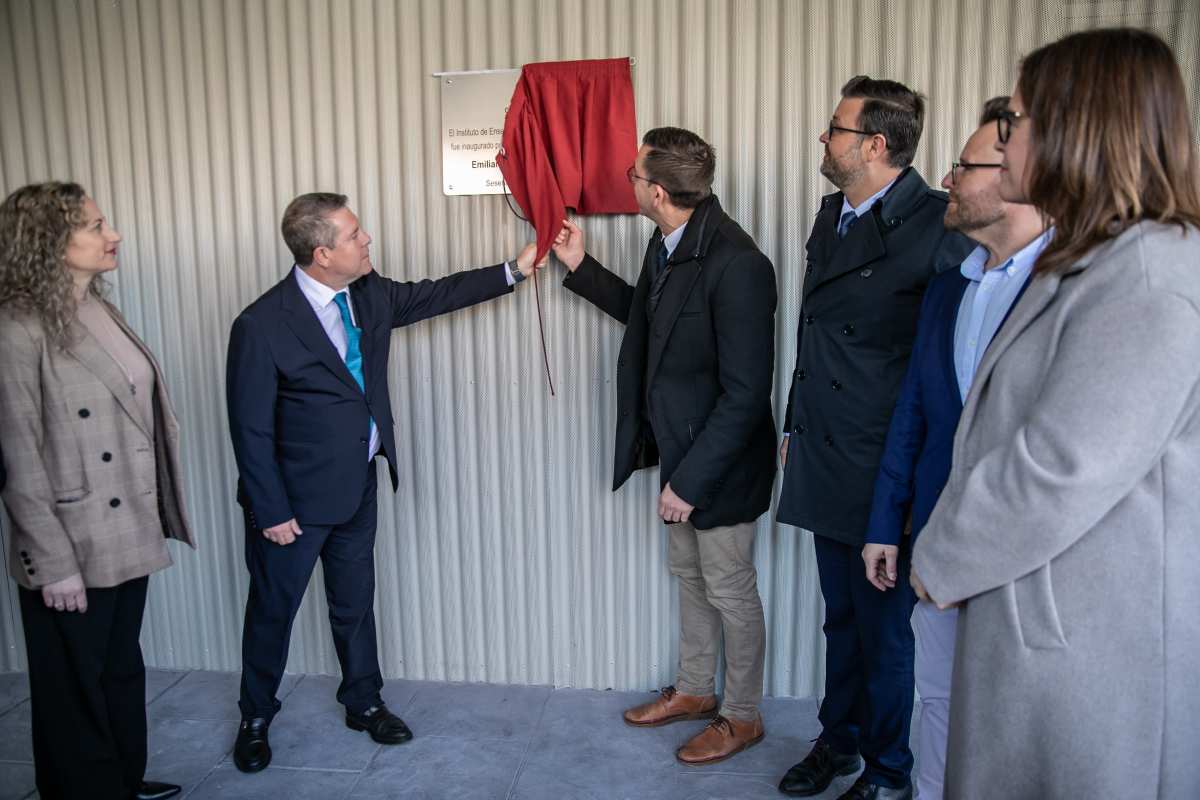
{"type": "Point", "coordinates": [718, 595]}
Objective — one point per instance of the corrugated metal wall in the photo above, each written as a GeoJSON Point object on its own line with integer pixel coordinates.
{"type": "Point", "coordinates": [504, 557]}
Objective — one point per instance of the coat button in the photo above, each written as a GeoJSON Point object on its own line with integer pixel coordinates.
{"type": "Point", "coordinates": [808, 270]}
{"type": "Point", "coordinates": [800, 429]}
{"type": "Point", "coordinates": [829, 441]}
{"type": "Point", "coordinates": [809, 320]}
{"type": "Point", "coordinates": [848, 330]}
{"type": "Point", "coordinates": [361, 440]}
{"type": "Point", "coordinates": [866, 273]}
{"type": "Point", "coordinates": [106, 457]}
{"type": "Point", "coordinates": [114, 502]}
{"type": "Point", "coordinates": [621, 363]}
{"type": "Point", "coordinates": [27, 560]}
{"type": "Point", "coordinates": [24, 554]}
{"type": "Point", "coordinates": [836, 384]}
{"type": "Point", "coordinates": [84, 413]}
{"type": "Point", "coordinates": [31, 570]}
{"type": "Point", "coordinates": [624, 413]}
{"type": "Point", "coordinates": [801, 375]}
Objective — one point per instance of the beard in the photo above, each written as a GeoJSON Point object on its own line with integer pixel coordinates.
{"type": "Point", "coordinates": [972, 213]}
{"type": "Point", "coordinates": [841, 174]}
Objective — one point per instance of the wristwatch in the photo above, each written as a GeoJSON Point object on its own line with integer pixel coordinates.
{"type": "Point", "coordinates": [515, 272]}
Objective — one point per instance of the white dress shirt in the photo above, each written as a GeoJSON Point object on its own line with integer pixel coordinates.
{"type": "Point", "coordinates": [320, 297]}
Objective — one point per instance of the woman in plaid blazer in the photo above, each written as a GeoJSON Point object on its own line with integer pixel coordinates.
{"type": "Point", "coordinates": [93, 491]}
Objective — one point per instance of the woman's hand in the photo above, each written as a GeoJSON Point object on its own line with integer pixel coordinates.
{"type": "Point", "coordinates": [68, 594]}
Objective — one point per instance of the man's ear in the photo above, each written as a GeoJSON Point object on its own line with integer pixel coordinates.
{"type": "Point", "coordinates": [877, 148]}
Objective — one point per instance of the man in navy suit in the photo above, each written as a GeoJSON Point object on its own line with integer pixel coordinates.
{"type": "Point", "coordinates": [961, 313]}
{"type": "Point", "coordinates": [308, 412]}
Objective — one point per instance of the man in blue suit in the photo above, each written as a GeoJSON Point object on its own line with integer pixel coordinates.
{"type": "Point", "coordinates": [309, 412]}
{"type": "Point", "coordinates": [961, 313]}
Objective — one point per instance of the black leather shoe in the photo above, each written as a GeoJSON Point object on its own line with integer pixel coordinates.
{"type": "Point", "coordinates": [384, 726]}
{"type": "Point", "coordinates": [154, 790]}
{"type": "Point", "coordinates": [818, 769]}
{"type": "Point", "coordinates": [865, 790]}
{"type": "Point", "coordinates": [252, 751]}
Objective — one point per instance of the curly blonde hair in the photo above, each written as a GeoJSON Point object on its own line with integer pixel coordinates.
{"type": "Point", "coordinates": [36, 223]}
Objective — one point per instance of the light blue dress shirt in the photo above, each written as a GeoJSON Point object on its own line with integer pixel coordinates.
{"type": "Point", "coordinates": [865, 205]}
{"type": "Point", "coordinates": [985, 304]}
{"type": "Point", "coordinates": [671, 240]}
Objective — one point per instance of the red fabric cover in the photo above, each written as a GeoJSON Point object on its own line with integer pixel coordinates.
{"type": "Point", "coordinates": [569, 137]}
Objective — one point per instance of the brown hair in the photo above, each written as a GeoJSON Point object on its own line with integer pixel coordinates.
{"type": "Point", "coordinates": [892, 110]}
{"type": "Point", "coordinates": [306, 224]}
{"type": "Point", "coordinates": [681, 163]}
{"type": "Point", "coordinates": [36, 223]}
{"type": "Point", "coordinates": [1111, 139]}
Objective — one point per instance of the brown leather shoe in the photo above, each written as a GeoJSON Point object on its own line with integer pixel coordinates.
{"type": "Point", "coordinates": [671, 706]}
{"type": "Point", "coordinates": [722, 738]}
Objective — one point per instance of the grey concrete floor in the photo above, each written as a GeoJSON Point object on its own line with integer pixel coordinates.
{"type": "Point", "coordinates": [472, 742]}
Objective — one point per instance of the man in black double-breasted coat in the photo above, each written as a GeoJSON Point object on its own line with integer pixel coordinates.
{"type": "Point", "coordinates": [873, 248]}
{"type": "Point", "coordinates": [694, 395]}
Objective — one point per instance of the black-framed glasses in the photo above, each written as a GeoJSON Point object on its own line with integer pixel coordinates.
{"type": "Point", "coordinates": [633, 176]}
{"type": "Point", "coordinates": [833, 128]}
{"type": "Point", "coordinates": [955, 166]}
{"type": "Point", "coordinates": [1004, 123]}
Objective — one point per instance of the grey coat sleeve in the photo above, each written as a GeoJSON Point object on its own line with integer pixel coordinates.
{"type": "Point", "coordinates": [1124, 373]}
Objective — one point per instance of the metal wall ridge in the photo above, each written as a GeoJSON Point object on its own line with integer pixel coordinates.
{"type": "Point", "coordinates": [504, 557]}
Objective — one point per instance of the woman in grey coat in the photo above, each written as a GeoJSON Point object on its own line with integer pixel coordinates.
{"type": "Point", "coordinates": [1070, 526]}
{"type": "Point", "coordinates": [94, 489]}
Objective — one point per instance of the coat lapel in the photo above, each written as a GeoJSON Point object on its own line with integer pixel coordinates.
{"type": "Point", "coordinates": [161, 399]}
{"type": "Point", "coordinates": [303, 322]}
{"type": "Point", "coordinates": [864, 243]}
{"type": "Point", "coordinates": [1036, 297]}
{"type": "Point", "coordinates": [678, 289]}
{"type": "Point", "coordinates": [87, 351]}
{"type": "Point", "coordinates": [686, 265]}
{"type": "Point", "coordinates": [954, 296]}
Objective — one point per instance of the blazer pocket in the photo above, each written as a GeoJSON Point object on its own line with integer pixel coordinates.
{"type": "Point", "coordinates": [63, 498]}
{"type": "Point", "coordinates": [1037, 612]}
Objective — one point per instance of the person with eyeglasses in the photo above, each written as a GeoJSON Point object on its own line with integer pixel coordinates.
{"type": "Point", "coordinates": [694, 398]}
{"type": "Point", "coordinates": [961, 312]}
{"type": "Point", "coordinates": [1068, 526]}
{"type": "Point", "coordinates": [874, 247]}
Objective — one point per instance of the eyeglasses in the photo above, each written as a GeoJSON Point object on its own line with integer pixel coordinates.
{"type": "Point", "coordinates": [1004, 123]}
{"type": "Point", "coordinates": [633, 176]}
{"type": "Point", "coordinates": [833, 128]}
{"type": "Point", "coordinates": [965, 165]}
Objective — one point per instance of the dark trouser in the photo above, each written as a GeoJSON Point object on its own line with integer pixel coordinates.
{"type": "Point", "coordinates": [87, 686]}
{"type": "Point", "coordinates": [868, 662]}
{"type": "Point", "coordinates": [279, 575]}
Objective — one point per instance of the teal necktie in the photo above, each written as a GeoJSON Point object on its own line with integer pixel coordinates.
{"type": "Point", "coordinates": [353, 335]}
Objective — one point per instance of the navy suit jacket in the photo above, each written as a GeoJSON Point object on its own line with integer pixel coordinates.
{"type": "Point", "coordinates": [299, 422]}
{"type": "Point", "coordinates": [920, 440]}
